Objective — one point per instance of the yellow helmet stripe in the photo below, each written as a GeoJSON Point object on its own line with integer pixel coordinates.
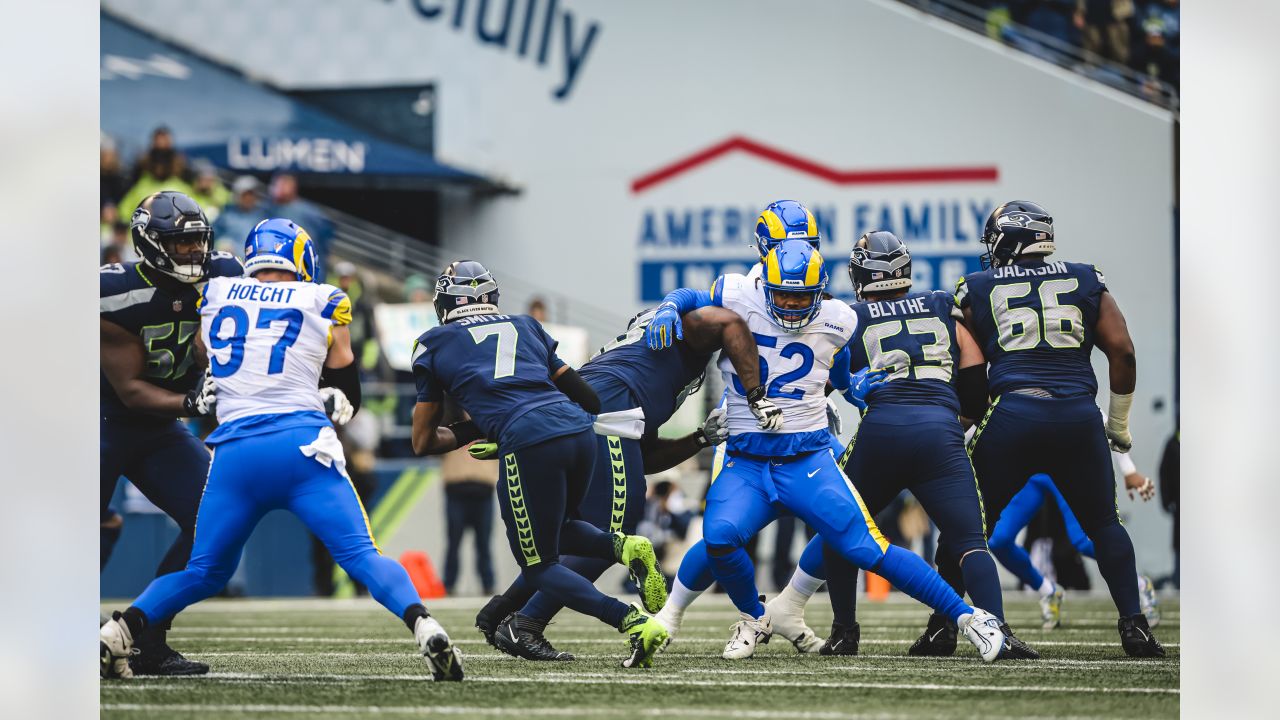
{"type": "Point", "coordinates": [813, 223]}
{"type": "Point", "coordinates": [772, 268]}
{"type": "Point", "coordinates": [814, 272]}
{"type": "Point", "coordinates": [777, 230]}
{"type": "Point", "coordinates": [298, 246]}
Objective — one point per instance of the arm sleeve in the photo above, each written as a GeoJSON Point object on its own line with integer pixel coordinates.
{"type": "Point", "coordinates": [346, 379]}
{"type": "Point", "coordinates": [571, 384]}
{"type": "Point", "coordinates": [839, 377]}
{"type": "Point", "coordinates": [687, 300]}
{"type": "Point", "coordinates": [1124, 463]}
{"type": "Point", "coordinates": [971, 386]}
{"type": "Point", "coordinates": [429, 389]}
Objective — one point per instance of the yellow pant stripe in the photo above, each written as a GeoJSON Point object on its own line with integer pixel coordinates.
{"type": "Point", "coordinates": [618, 464]}
{"type": "Point", "coordinates": [524, 526]}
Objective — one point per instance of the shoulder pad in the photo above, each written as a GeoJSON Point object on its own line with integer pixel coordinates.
{"type": "Point", "coordinates": [335, 306]}
{"type": "Point", "coordinates": [961, 296]}
{"type": "Point", "coordinates": [117, 278]}
{"type": "Point", "coordinates": [224, 264]}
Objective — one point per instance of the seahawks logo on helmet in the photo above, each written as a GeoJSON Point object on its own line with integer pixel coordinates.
{"type": "Point", "coordinates": [141, 219]}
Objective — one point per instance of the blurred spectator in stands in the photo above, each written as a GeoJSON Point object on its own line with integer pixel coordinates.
{"type": "Point", "coordinates": [468, 504]}
{"type": "Point", "coordinates": [417, 289]}
{"type": "Point", "coordinates": [112, 183]}
{"type": "Point", "coordinates": [106, 220]}
{"type": "Point", "coordinates": [783, 540]}
{"type": "Point", "coordinates": [111, 255]}
{"type": "Point", "coordinates": [667, 515]}
{"type": "Point", "coordinates": [364, 334]}
{"type": "Point", "coordinates": [209, 190]}
{"type": "Point", "coordinates": [286, 203]}
{"type": "Point", "coordinates": [1162, 43]}
{"type": "Point", "coordinates": [119, 244]}
{"type": "Point", "coordinates": [1104, 27]}
{"type": "Point", "coordinates": [1170, 491]}
{"type": "Point", "coordinates": [159, 169]}
{"type": "Point", "coordinates": [240, 217]}
{"type": "Point", "coordinates": [537, 309]}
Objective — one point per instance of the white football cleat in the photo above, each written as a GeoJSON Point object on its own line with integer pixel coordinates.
{"type": "Point", "coordinates": [434, 644]}
{"type": "Point", "coordinates": [748, 633]}
{"type": "Point", "coordinates": [1051, 608]}
{"type": "Point", "coordinates": [786, 615]}
{"type": "Point", "coordinates": [983, 630]}
{"type": "Point", "coordinates": [1147, 599]}
{"type": "Point", "coordinates": [115, 645]}
{"type": "Point", "coordinates": [670, 617]}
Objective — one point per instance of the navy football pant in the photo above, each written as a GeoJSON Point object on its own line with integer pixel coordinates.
{"type": "Point", "coordinates": [1063, 438]}
{"type": "Point", "coordinates": [541, 489]}
{"type": "Point", "coordinates": [166, 463]}
{"type": "Point", "coordinates": [252, 476]}
{"type": "Point", "coordinates": [919, 448]}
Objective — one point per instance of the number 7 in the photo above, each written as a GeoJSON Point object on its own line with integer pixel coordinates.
{"type": "Point", "coordinates": [504, 362]}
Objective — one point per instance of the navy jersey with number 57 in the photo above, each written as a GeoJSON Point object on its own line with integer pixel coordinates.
{"type": "Point", "coordinates": [498, 367]}
{"type": "Point", "coordinates": [913, 338]}
{"type": "Point", "coordinates": [1035, 323]}
{"type": "Point", "coordinates": [163, 313]}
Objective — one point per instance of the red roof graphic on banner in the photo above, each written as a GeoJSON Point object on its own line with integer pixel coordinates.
{"type": "Point", "coordinates": [988, 173]}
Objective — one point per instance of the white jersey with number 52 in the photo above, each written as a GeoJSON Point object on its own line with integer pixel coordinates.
{"type": "Point", "coordinates": [267, 343]}
{"type": "Point", "coordinates": [794, 365]}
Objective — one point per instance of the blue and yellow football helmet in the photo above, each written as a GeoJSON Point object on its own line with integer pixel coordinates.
{"type": "Point", "coordinates": [792, 270]}
{"type": "Point", "coordinates": [280, 244]}
{"type": "Point", "coordinates": [785, 220]}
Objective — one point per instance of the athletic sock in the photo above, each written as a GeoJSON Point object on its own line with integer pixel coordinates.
{"type": "Point", "coordinates": [910, 574]}
{"type": "Point", "coordinates": [412, 613]}
{"type": "Point", "coordinates": [737, 576]}
{"type": "Point", "coordinates": [695, 569]}
{"type": "Point", "coordinates": [1046, 587]}
{"type": "Point", "coordinates": [842, 586]}
{"type": "Point", "coordinates": [681, 597]}
{"type": "Point", "coordinates": [135, 620]}
{"type": "Point", "coordinates": [983, 581]}
{"type": "Point", "coordinates": [804, 583]}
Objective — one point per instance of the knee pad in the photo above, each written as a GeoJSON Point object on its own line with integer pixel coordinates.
{"type": "Point", "coordinates": [722, 537]}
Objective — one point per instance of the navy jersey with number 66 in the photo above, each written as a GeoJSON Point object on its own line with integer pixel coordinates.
{"type": "Point", "coordinates": [1035, 323]}
{"type": "Point", "coordinates": [913, 338]}
{"type": "Point", "coordinates": [498, 367]}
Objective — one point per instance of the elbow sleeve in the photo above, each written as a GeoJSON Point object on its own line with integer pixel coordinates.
{"type": "Point", "coordinates": [971, 386]}
{"type": "Point", "coordinates": [688, 300]}
{"type": "Point", "coordinates": [571, 384]}
{"type": "Point", "coordinates": [346, 379]}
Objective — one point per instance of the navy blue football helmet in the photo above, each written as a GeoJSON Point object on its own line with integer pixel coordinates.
{"type": "Point", "coordinates": [280, 244]}
{"type": "Point", "coordinates": [465, 288]}
{"type": "Point", "coordinates": [880, 262]}
{"type": "Point", "coordinates": [1014, 229]}
{"type": "Point", "coordinates": [165, 222]}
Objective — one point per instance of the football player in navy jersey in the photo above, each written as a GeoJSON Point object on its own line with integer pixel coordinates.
{"type": "Point", "coordinates": [910, 436]}
{"type": "Point", "coordinates": [504, 372]}
{"type": "Point", "coordinates": [150, 377]}
{"type": "Point", "coordinates": [627, 374]}
{"type": "Point", "coordinates": [1037, 322]}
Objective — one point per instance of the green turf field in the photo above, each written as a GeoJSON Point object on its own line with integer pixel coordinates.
{"type": "Point", "coordinates": [318, 658]}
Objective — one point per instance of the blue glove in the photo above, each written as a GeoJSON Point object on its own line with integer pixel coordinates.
{"type": "Point", "coordinates": [863, 382]}
{"type": "Point", "coordinates": [665, 328]}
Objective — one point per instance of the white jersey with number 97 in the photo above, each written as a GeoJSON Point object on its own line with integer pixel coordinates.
{"type": "Point", "coordinates": [794, 365]}
{"type": "Point", "coordinates": [267, 343]}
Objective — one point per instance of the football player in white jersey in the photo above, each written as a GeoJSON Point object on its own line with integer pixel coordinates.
{"type": "Point", "coordinates": [794, 467]}
{"type": "Point", "coordinates": [271, 338]}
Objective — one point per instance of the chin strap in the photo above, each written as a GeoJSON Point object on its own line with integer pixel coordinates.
{"type": "Point", "coordinates": [469, 310]}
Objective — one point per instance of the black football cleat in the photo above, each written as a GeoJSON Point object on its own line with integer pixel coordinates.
{"type": "Point", "coordinates": [164, 661]}
{"type": "Point", "coordinates": [491, 615]}
{"type": "Point", "coordinates": [1014, 648]}
{"type": "Point", "coordinates": [938, 640]}
{"type": "Point", "coordinates": [843, 640]}
{"type": "Point", "coordinates": [521, 636]}
{"type": "Point", "coordinates": [1136, 637]}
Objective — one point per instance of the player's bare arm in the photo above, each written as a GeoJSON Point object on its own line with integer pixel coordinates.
{"type": "Point", "coordinates": [1113, 340]}
{"type": "Point", "coordinates": [712, 328]}
{"type": "Point", "coordinates": [428, 437]}
{"type": "Point", "coordinates": [123, 362]}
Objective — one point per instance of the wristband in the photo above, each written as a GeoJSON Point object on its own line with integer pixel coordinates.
{"type": "Point", "coordinates": [700, 439]}
{"type": "Point", "coordinates": [755, 394]}
{"type": "Point", "coordinates": [1118, 411]}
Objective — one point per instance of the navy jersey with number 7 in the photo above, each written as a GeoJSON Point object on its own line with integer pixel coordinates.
{"type": "Point", "coordinates": [1035, 323]}
{"type": "Point", "coordinates": [498, 367]}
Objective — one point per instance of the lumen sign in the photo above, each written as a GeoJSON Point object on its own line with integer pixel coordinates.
{"type": "Point", "coordinates": [310, 154]}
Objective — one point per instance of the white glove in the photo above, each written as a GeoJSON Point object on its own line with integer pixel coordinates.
{"type": "Point", "coordinates": [834, 422]}
{"type": "Point", "coordinates": [1146, 489]}
{"type": "Point", "coordinates": [768, 415]}
{"type": "Point", "coordinates": [202, 400]}
{"type": "Point", "coordinates": [715, 429]}
{"type": "Point", "coordinates": [336, 405]}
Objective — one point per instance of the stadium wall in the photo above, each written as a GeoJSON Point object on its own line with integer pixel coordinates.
{"type": "Point", "coordinates": [645, 137]}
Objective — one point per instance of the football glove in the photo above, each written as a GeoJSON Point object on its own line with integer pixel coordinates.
{"type": "Point", "coordinates": [665, 328]}
{"type": "Point", "coordinates": [336, 405]}
{"type": "Point", "coordinates": [768, 415]}
{"type": "Point", "coordinates": [1143, 485]}
{"type": "Point", "coordinates": [714, 430]}
{"type": "Point", "coordinates": [483, 450]}
{"type": "Point", "coordinates": [863, 382]}
{"type": "Point", "coordinates": [202, 401]}
{"type": "Point", "coordinates": [834, 422]}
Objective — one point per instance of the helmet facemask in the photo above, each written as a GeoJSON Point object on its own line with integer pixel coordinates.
{"type": "Point", "coordinates": [788, 318]}
{"type": "Point", "coordinates": [162, 249]}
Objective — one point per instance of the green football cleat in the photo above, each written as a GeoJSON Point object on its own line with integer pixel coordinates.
{"type": "Point", "coordinates": [636, 553]}
{"type": "Point", "coordinates": [647, 637]}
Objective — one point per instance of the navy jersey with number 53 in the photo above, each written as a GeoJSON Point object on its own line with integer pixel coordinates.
{"type": "Point", "coordinates": [1035, 323]}
{"type": "Point", "coordinates": [163, 313]}
{"type": "Point", "coordinates": [913, 338]}
{"type": "Point", "coordinates": [498, 367]}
